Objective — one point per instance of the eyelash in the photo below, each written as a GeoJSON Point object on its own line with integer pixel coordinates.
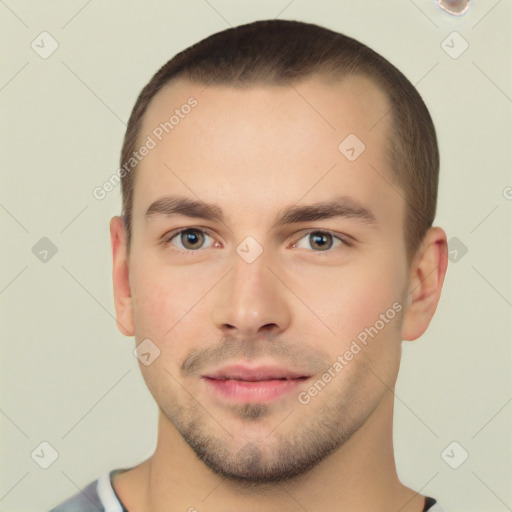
{"type": "Point", "coordinates": [168, 237]}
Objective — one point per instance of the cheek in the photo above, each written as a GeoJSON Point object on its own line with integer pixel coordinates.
{"type": "Point", "coordinates": [368, 299]}
{"type": "Point", "coordinates": [375, 306]}
{"type": "Point", "coordinates": [161, 301]}
{"type": "Point", "coordinates": [352, 298]}
{"type": "Point", "coordinates": [169, 303]}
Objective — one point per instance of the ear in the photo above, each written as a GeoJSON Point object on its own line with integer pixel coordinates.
{"type": "Point", "coordinates": [120, 277]}
{"type": "Point", "coordinates": [426, 277]}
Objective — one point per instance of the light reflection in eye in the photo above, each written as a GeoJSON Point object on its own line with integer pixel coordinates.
{"type": "Point", "coordinates": [194, 239]}
{"type": "Point", "coordinates": [323, 240]}
{"type": "Point", "coordinates": [189, 239]}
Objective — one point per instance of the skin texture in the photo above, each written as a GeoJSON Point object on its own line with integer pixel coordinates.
{"type": "Point", "coordinates": [298, 304]}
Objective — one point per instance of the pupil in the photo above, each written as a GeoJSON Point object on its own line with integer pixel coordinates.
{"type": "Point", "coordinates": [191, 238]}
{"type": "Point", "coordinates": [320, 240]}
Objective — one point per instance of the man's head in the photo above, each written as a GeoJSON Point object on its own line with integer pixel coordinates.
{"type": "Point", "coordinates": [284, 53]}
{"type": "Point", "coordinates": [222, 217]}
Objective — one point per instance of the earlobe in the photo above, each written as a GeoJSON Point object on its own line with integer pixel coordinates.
{"type": "Point", "coordinates": [120, 277]}
{"type": "Point", "coordinates": [426, 279]}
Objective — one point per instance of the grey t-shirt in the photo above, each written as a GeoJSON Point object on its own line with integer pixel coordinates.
{"type": "Point", "coordinates": [99, 496]}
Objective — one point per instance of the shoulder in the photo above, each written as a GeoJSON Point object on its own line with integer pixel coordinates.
{"type": "Point", "coordinates": [86, 500]}
{"type": "Point", "coordinates": [98, 496]}
{"type": "Point", "coordinates": [433, 506]}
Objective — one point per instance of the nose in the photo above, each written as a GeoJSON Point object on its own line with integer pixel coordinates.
{"type": "Point", "coordinates": [251, 300]}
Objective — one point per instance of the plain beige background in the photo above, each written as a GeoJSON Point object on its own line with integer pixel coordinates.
{"type": "Point", "coordinates": [70, 379]}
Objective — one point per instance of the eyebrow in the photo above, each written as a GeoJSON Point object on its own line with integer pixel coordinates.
{"type": "Point", "coordinates": [339, 207]}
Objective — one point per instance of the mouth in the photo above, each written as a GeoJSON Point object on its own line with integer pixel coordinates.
{"type": "Point", "coordinates": [253, 384]}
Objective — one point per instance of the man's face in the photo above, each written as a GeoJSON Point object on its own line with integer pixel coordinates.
{"type": "Point", "coordinates": [223, 314]}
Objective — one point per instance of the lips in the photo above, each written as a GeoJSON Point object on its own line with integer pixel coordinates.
{"type": "Point", "coordinates": [242, 384]}
{"type": "Point", "coordinates": [255, 374]}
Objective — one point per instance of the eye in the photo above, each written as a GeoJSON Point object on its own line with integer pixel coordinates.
{"type": "Point", "coordinates": [188, 239]}
{"type": "Point", "coordinates": [320, 241]}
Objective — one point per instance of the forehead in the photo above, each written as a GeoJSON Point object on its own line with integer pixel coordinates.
{"type": "Point", "coordinates": [325, 103]}
{"type": "Point", "coordinates": [222, 141]}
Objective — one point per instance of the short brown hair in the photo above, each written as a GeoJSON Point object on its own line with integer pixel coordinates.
{"type": "Point", "coordinates": [281, 52]}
